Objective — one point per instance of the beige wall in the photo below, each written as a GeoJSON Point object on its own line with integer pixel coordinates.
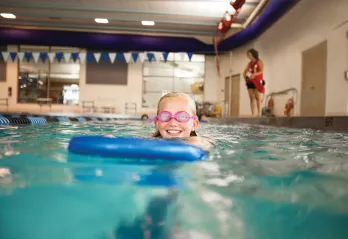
{"type": "Point", "coordinates": [211, 90]}
{"type": "Point", "coordinates": [281, 46]}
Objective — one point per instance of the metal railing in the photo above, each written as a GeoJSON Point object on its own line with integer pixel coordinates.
{"type": "Point", "coordinates": [130, 107]}
{"type": "Point", "coordinates": [284, 92]}
{"type": "Point", "coordinates": [88, 105]}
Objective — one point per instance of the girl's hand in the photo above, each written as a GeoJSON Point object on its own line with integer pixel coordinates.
{"type": "Point", "coordinates": [109, 136]}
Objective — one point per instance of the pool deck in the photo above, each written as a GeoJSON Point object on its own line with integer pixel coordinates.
{"type": "Point", "coordinates": [327, 123]}
{"type": "Point", "coordinates": [74, 115]}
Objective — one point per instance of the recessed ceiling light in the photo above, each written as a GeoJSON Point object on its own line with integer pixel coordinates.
{"type": "Point", "coordinates": [148, 23]}
{"type": "Point", "coordinates": [101, 20]}
{"type": "Point", "coordinates": [8, 15]}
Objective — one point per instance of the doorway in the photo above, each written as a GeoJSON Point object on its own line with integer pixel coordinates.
{"type": "Point", "coordinates": [232, 95]}
{"type": "Point", "coordinates": [313, 95]}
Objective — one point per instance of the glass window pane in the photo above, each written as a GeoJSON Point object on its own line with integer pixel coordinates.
{"type": "Point", "coordinates": [32, 85]}
{"type": "Point", "coordinates": [198, 58]}
{"type": "Point", "coordinates": [150, 100]}
{"type": "Point", "coordinates": [189, 69]}
{"type": "Point", "coordinates": [158, 69]}
{"type": "Point", "coordinates": [64, 82]}
{"type": "Point", "coordinates": [174, 75]}
{"type": "Point", "coordinates": [157, 84]}
{"type": "Point", "coordinates": [59, 81]}
{"type": "Point", "coordinates": [32, 77]}
{"type": "Point", "coordinates": [189, 85]}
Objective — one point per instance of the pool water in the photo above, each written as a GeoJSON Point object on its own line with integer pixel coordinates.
{"type": "Point", "coordinates": [258, 182]}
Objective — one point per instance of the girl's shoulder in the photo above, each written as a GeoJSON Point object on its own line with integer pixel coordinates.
{"type": "Point", "coordinates": [201, 141]}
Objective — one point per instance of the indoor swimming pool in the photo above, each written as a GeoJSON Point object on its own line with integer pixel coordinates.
{"type": "Point", "coordinates": [258, 182]}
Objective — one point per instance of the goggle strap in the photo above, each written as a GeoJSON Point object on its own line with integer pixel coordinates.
{"type": "Point", "coordinates": [152, 119]}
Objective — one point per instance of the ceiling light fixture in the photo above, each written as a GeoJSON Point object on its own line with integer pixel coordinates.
{"type": "Point", "coordinates": [148, 23]}
{"type": "Point", "coordinates": [8, 15]}
{"type": "Point", "coordinates": [101, 20]}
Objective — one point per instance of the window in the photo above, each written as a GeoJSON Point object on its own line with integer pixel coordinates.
{"type": "Point", "coordinates": [174, 75]}
{"type": "Point", "coordinates": [59, 81]}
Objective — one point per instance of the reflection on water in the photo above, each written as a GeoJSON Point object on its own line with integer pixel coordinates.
{"type": "Point", "coordinates": [258, 182]}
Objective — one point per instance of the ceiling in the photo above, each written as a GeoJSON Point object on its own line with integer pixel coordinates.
{"type": "Point", "coordinates": [197, 18]}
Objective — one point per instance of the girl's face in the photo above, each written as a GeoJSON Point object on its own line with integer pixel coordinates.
{"type": "Point", "coordinates": [173, 128]}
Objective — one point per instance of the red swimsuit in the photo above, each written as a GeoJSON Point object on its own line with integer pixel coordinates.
{"type": "Point", "coordinates": [257, 80]}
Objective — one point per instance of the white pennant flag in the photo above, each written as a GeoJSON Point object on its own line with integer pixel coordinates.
{"type": "Point", "coordinates": [67, 56]}
{"type": "Point", "coordinates": [5, 55]}
{"type": "Point", "coordinates": [157, 56]}
{"type": "Point", "coordinates": [141, 57]}
{"type": "Point", "coordinates": [127, 57]}
{"type": "Point", "coordinates": [36, 56]}
{"type": "Point", "coordinates": [112, 57]}
{"type": "Point", "coordinates": [51, 56]}
{"type": "Point", "coordinates": [82, 57]}
{"type": "Point", "coordinates": [182, 55]}
{"type": "Point", "coordinates": [97, 56]}
{"type": "Point", "coordinates": [20, 56]}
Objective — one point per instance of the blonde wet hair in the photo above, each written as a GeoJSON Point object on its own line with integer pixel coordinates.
{"type": "Point", "coordinates": [185, 96]}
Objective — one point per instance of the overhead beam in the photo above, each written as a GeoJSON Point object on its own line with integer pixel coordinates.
{"type": "Point", "coordinates": [100, 9]}
{"type": "Point", "coordinates": [255, 12]}
{"type": "Point", "coordinates": [103, 27]}
{"type": "Point", "coordinates": [69, 16]}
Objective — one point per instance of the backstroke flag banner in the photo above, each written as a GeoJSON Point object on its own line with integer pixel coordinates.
{"type": "Point", "coordinates": [110, 57]}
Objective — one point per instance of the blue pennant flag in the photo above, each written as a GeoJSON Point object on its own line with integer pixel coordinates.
{"type": "Point", "coordinates": [165, 55]}
{"type": "Point", "coordinates": [27, 56]}
{"type": "Point", "coordinates": [135, 56]}
{"type": "Point", "coordinates": [59, 56]}
{"type": "Point", "coordinates": [90, 56]}
{"type": "Point", "coordinates": [43, 56]}
{"type": "Point", "coordinates": [120, 57]}
{"type": "Point", "coordinates": [13, 56]}
{"type": "Point", "coordinates": [190, 54]}
{"type": "Point", "coordinates": [75, 56]}
{"type": "Point", "coordinates": [105, 57]}
{"type": "Point", "coordinates": [150, 56]}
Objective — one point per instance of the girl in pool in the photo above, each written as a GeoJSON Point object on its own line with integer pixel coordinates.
{"type": "Point", "coordinates": [176, 118]}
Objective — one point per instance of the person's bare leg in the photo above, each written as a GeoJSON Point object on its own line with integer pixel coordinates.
{"type": "Point", "coordinates": [252, 101]}
{"type": "Point", "coordinates": [258, 97]}
{"type": "Point", "coordinates": [146, 232]}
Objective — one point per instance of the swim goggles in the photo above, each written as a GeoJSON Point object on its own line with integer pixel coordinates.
{"type": "Point", "coordinates": [165, 116]}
